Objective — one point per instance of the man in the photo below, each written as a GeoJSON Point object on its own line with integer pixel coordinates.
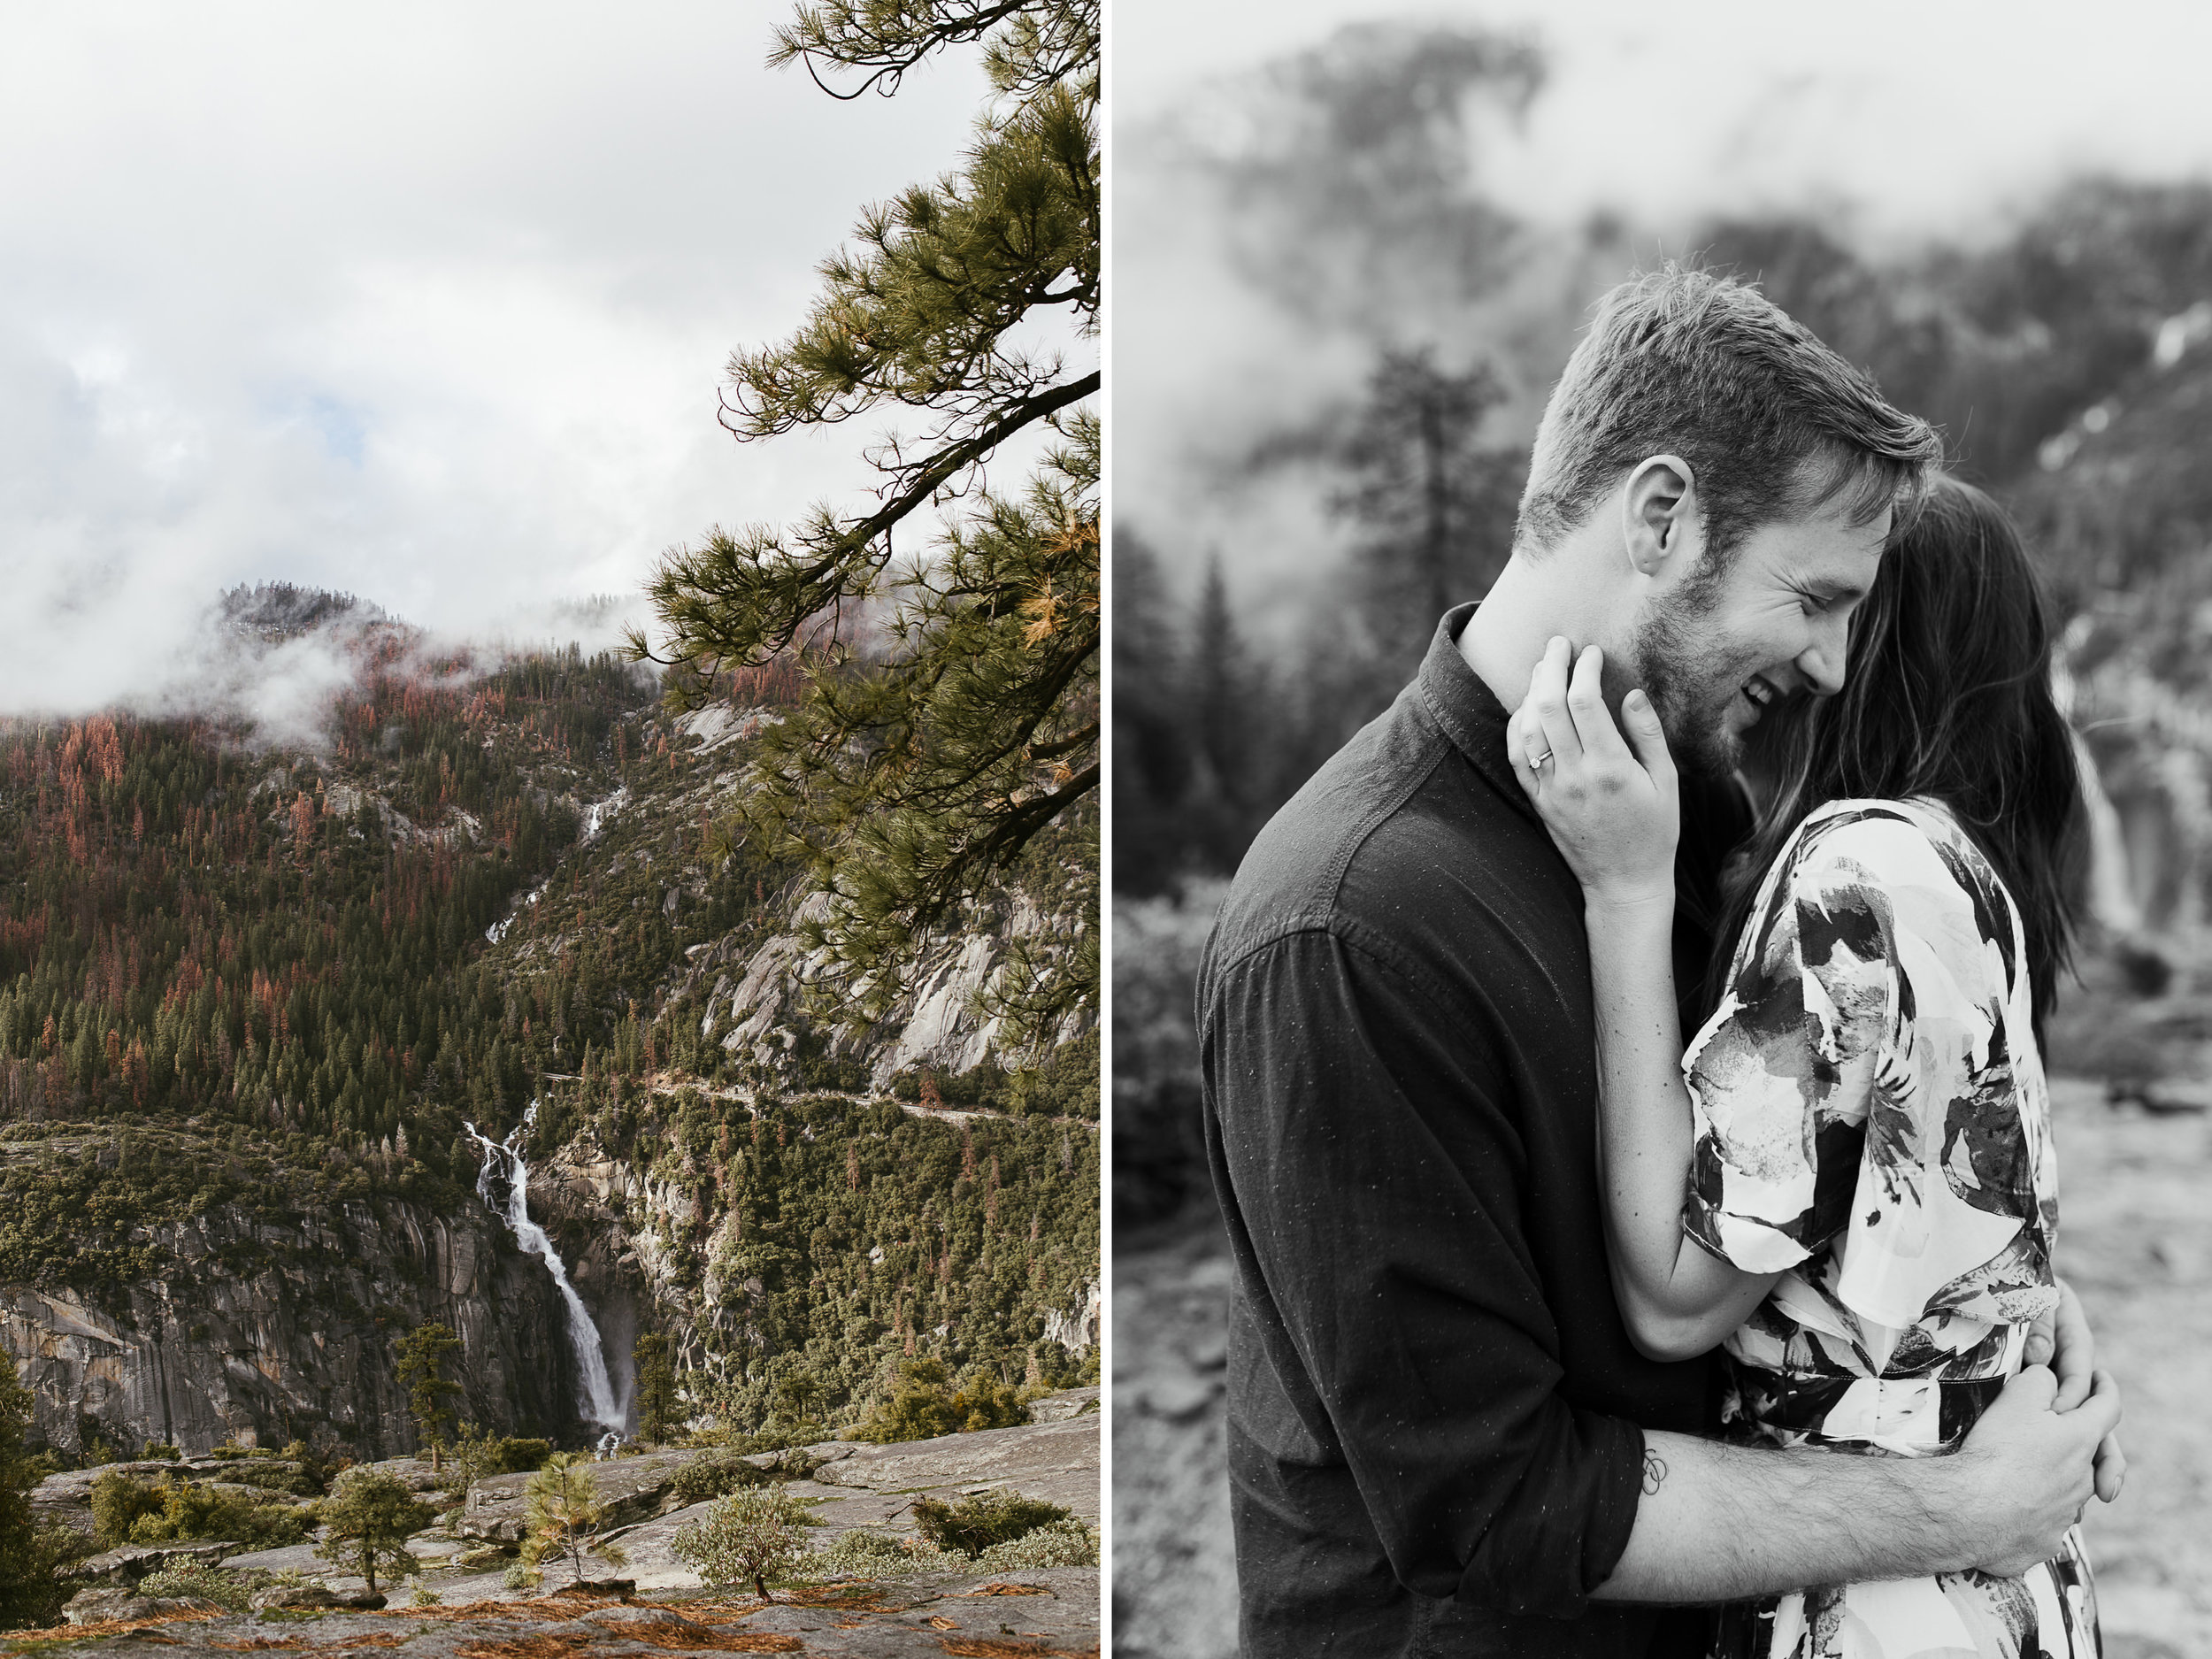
{"type": "Point", "coordinates": [1441, 1438]}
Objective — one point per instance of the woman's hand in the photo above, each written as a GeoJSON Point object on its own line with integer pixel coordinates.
{"type": "Point", "coordinates": [1613, 811]}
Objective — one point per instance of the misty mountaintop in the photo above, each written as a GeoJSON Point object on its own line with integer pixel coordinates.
{"type": "Point", "coordinates": [275, 612]}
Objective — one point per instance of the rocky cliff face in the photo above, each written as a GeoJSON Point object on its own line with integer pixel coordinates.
{"type": "Point", "coordinates": [261, 1332]}
{"type": "Point", "coordinates": [635, 1240]}
{"type": "Point", "coordinates": [643, 961]}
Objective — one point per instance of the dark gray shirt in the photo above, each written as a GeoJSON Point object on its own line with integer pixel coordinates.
{"type": "Point", "coordinates": [1435, 1414]}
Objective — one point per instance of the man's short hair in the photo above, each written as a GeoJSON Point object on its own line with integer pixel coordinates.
{"type": "Point", "coordinates": [1679, 361]}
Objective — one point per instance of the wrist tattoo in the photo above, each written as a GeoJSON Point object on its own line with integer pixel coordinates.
{"type": "Point", "coordinates": [1654, 1470]}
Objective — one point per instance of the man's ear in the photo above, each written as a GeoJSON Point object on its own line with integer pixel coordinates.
{"type": "Point", "coordinates": [1660, 521]}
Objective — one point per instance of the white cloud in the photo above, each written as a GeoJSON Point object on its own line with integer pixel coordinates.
{"type": "Point", "coordinates": [427, 303]}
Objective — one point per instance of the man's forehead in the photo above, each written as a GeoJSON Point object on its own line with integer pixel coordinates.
{"type": "Point", "coordinates": [1829, 547]}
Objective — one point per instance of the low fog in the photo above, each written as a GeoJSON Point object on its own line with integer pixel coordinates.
{"type": "Point", "coordinates": [1287, 207]}
{"type": "Point", "coordinates": [426, 306]}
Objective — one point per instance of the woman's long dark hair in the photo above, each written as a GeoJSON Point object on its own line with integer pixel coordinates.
{"type": "Point", "coordinates": [1948, 696]}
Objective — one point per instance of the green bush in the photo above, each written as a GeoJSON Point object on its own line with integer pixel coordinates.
{"type": "Point", "coordinates": [925, 1404]}
{"type": "Point", "coordinates": [974, 1525]}
{"type": "Point", "coordinates": [716, 1475]}
{"type": "Point", "coordinates": [1056, 1543]}
{"type": "Point", "coordinates": [865, 1554]}
{"type": "Point", "coordinates": [117, 1502]}
{"type": "Point", "coordinates": [125, 1511]}
{"type": "Point", "coordinates": [753, 1537]}
{"type": "Point", "coordinates": [274, 1478]}
{"type": "Point", "coordinates": [861, 1554]}
{"type": "Point", "coordinates": [512, 1455]}
{"type": "Point", "coordinates": [476, 1455]}
{"type": "Point", "coordinates": [194, 1580]}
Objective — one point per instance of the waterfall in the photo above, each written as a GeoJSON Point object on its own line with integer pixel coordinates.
{"type": "Point", "coordinates": [598, 812]}
{"type": "Point", "coordinates": [502, 1161]}
{"type": "Point", "coordinates": [2111, 886]}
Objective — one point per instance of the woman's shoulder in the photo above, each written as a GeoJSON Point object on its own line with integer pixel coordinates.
{"type": "Point", "coordinates": [1890, 839]}
{"type": "Point", "coordinates": [1930, 876]}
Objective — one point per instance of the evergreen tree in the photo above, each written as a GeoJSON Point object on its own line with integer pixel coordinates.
{"type": "Point", "coordinates": [1229, 710]}
{"type": "Point", "coordinates": [565, 1514]}
{"type": "Point", "coordinates": [28, 1592]}
{"type": "Point", "coordinates": [1152, 745]}
{"type": "Point", "coordinates": [1432, 505]}
{"type": "Point", "coordinates": [951, 711]}
{"type": "Point", "coordinates": [655, 1386]}
{"type": "Point", "coordinates": [367, 1521]}
{"type": "Point", "coordinates": [422, 1353]}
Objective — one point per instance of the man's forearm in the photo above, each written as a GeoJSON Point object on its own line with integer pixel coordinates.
{"type": "Point", "coordinates": [1720, 1522]}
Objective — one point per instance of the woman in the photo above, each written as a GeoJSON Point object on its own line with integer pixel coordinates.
{"type": "Point", "coordinates": [1861, 1127]}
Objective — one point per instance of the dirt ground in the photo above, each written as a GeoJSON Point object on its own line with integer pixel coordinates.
{"type": "Point", "coordinates": [2135, 1238]}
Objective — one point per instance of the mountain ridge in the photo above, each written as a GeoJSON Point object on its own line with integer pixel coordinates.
{"type": "Point", "coordinates": [275, 980]}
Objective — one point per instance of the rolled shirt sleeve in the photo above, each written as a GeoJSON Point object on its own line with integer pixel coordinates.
{"type": "Point", "coordinates": [1360, 1127]}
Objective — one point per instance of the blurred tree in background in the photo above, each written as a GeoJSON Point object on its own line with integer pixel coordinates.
{"type": "Point", "coordinates": [1431, 505]}
{"type": "Point", "coordinates": [951, 708]}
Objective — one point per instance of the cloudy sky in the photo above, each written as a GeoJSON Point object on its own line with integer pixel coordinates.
{"type": "Point", "coordinates": [424, 301]}
{"type": "Point", "coordinates": [1893, 120]}
{"type": "Point", "coordinates": [1907, 110]}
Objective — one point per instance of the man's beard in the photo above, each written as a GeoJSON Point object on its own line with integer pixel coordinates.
{"type": "Point", "coordinates": [1672, 665]}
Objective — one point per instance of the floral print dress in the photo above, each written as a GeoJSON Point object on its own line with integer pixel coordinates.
{"type": "Point", "coordinates": [1872, 1122]}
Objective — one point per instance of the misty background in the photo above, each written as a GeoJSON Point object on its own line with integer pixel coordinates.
{"type": "Point", "coordinates": [424, 304]}
{"type": "Point", "coordinates": [1353, 250]}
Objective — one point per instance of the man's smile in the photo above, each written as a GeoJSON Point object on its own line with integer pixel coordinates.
{"type": "Point", "coordinates": [1761, 693]}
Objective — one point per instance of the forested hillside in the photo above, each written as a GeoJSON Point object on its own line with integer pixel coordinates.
{"type": "Point", "coordinates": [246, 992]}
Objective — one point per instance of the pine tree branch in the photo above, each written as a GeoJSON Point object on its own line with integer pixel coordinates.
{"type": "Point", "coordinates": [840, 35]}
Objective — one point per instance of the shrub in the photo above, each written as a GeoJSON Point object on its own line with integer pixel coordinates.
{"type": "Point", "coordinates": [716, 1474]}
{"type": "Point", "coordinates": [476, 1455]}
{"type": "Point", "coordinates": [925, 1404]}
{"type": "Point", "coordinates": [752, 1536]}
{"type": "Point", "coordinates": [974, 1524]}
{"type": "Point", "coordinates": [860, 1554]}
{"type": "Point", "coordinates": [1055, 1544]}
{"type": "Point", "coordinates": [510, 1454]}
{"type": "Point", "coordinates": [117, 1502]}
{"type": "Point", "coordinates": [194, 1580]}
{"type": "Point", "coordinates": [184, 1509]}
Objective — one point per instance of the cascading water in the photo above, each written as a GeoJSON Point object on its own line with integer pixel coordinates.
{"type": "Point", "coordinates": [503, 1162]}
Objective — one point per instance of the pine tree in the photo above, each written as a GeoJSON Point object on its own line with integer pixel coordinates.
{"type": "Point", "coordinates": [422, 1353]}
{"type": "Point", "coordinates": [367, 1522]}
{"type": "Point", "coordinates": [1432, 504]}
{"type": "Point", "coordinates": [1152, 739]}
{"type": "Point", "coordinates": [565, 1514]}
{"type": "Point", "coordinates": [29, 1593]}
{"type": "Point", "coordinates": [950, 714]}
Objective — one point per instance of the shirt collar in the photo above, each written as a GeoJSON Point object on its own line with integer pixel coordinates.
{"type": "Point", "coordinates": [1467, 709]}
